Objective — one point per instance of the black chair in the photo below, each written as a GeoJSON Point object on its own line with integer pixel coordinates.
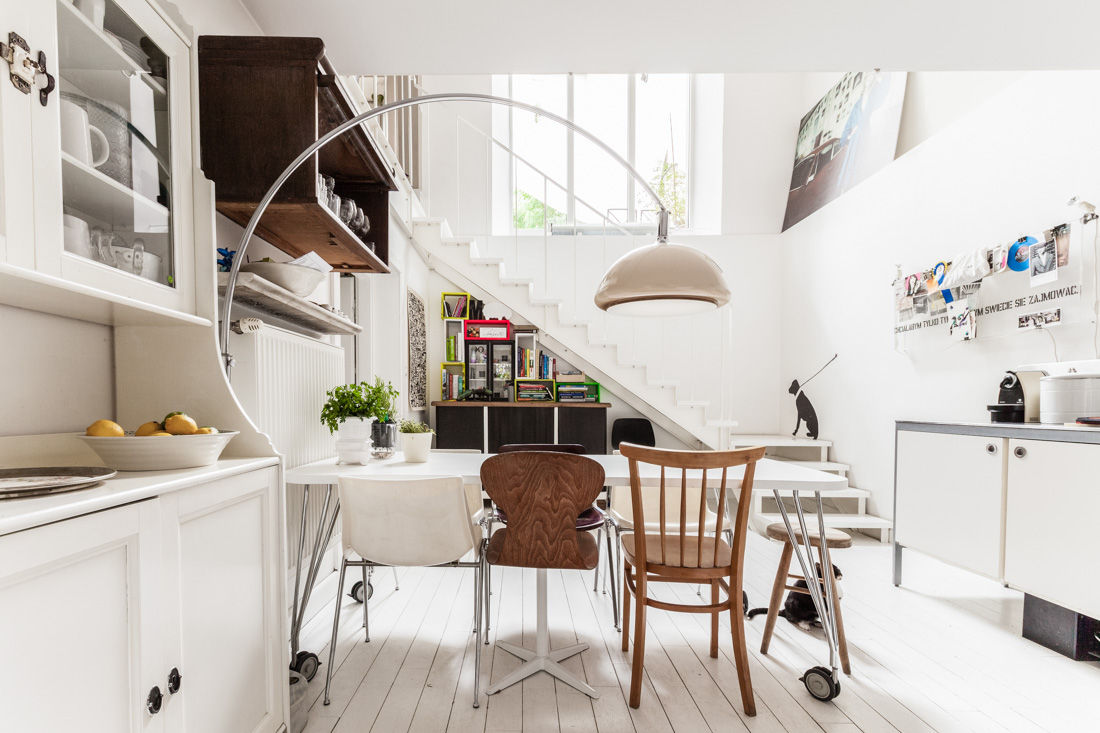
{"type": "Point", "coordinates": [636, 430]}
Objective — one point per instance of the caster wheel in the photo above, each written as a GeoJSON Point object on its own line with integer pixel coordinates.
{"type": "Point", "coordinates": [357, 592]}
{"type": "Point", "coordinates": [306, 664]}
{"type": "Point", "coordinates": [819, 683]}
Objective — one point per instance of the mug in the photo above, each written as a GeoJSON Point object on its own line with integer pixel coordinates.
{"type": "Point", "coordinates": [77, 236]}
{"type": "Point", "coordinates": [93, 10]}
{"type": "Point", "coordinates": [80, 139]}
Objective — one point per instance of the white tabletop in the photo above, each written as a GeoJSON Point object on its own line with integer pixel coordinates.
{"type": "Point", "coordinates": [769, 474]}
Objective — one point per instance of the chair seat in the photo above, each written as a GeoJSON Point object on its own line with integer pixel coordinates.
{"type": "Point", "coordinates": [692, 525]}
{"type": "Point", "coordinates": [672, 558]}
{"type": "Point", "coordinates": [589, 553]}
{"type": "Point", "coordinates": [588, 520]}
{"type": "Point", "coordinates": [833, 537]}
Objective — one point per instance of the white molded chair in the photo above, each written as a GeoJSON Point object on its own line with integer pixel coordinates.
{"type": "Point", "coordinates": [408, 522]}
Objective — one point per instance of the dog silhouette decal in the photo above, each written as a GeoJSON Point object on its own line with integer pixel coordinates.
{"type": "Point", "coordinates": [806, 412]}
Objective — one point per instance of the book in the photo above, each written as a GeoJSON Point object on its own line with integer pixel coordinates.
{"type": "Point", "coordinates": [570, 377]}
{"type": "Point", "coordinates": [450, 348]}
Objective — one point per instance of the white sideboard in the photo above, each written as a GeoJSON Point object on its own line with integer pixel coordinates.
{"type": "Point", "coordinates": [104, 592]}
{"type": "Point", "coordinates": [1012, 501]}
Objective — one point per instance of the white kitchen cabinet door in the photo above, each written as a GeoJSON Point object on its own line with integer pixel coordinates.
{"type": "Point", "coordinates": [80, 623]}
{"type": "Point", "coordinates": [950, 498]}
{"type": "Point", "coordinates": [222, 553]}
{"type": "Point", "coordinates": [1052, 510]}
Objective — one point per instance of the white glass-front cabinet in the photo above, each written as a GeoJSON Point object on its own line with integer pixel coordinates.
{"type": "Point", "coordinates": [108, 158]}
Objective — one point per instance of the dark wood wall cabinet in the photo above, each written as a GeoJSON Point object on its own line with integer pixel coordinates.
{"type": "Point", "coordinates": [486, 426]}
{"type": "Point", "coordinates": [262, 100]}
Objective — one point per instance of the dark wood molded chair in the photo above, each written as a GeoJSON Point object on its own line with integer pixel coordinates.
{"type": "Point", "coordinates": [542, 493]}
{"type": "Point", "coordinates": [680, 553]}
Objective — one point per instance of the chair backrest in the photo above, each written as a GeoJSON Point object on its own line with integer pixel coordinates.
{"type": "Point", "coordinates": [575, 448]}
{"type": "Point", "coordinates": [622, 503]}
{"type": "Point", "coordinates": [636, 430]}
{"type": "Point", "coordinates": [687, 461]}
{"type": "Point", "coordinates": [543, 493]}
{"type": "Point", "coordinates": [406, 521]}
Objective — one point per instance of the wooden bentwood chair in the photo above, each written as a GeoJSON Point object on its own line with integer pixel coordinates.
{"type": "Point", "coordinates": [684, 552]}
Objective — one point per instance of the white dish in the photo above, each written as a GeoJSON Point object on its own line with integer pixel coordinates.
{"type": "Point", "coordinates": [19, 482]}
{"type": "Point", "coordinates": [297, 279]}
{"type": "Point", "coordinates": [159, 452]}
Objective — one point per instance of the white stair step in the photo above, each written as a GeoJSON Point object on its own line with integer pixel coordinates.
{"type": "Point", "coordinates": [830, 466]}
{"type": "Point", "coordinates": [546, 301]}
{"type": "Point", "coordinates": [849, 493]}
{"type": "Point", "coordinates": [486, 260]}
{"type": "Point", "coordinates": [778, 441]}
{"type": "Point", "coordinates": [456, 240]}
{"type": "Point", "coordinates": [692, 403]}
{"type": "Point", "coordinates": [518, 281]}
{"type": "Point", "coordinates": [665, 383]}
{"type": "Point", "coordinates": [722, 423]}
{"type": "Point", "coordinates": [841, 521]}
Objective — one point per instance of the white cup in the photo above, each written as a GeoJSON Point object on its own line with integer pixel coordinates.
{"type": "Point", "coordinates": [93, 10]}
{"type": "Point", "coordinates": [77, 236]}
{"type": "Point", "coordinates": [80, 139]}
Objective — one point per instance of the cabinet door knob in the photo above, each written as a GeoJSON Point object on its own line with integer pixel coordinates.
{"type": "Point", "coordinates": [990, 448]}
{"type": "Point", "coordinates": [153, 701]}
{"type": "Point", "coordinates": [1020, 451]}
{"type": "Point", "coordinates": [175, 680]}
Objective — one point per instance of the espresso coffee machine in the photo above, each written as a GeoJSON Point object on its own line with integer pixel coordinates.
{"type": "Point", "coordinates": [1018, 398]}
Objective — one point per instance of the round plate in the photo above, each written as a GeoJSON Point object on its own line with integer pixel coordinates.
{"type": "Point", "coordinates": [18, 482]}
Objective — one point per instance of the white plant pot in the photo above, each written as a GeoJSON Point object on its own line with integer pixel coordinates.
{"type": "Point", "coordinates": [353, 440]}
{"type": "Point", "coordinates": [417, 446]}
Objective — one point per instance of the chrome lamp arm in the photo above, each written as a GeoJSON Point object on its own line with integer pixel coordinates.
{"type": "Point", "coordinates": [250, 228]}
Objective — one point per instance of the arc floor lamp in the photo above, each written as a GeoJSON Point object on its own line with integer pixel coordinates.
{"type": "Point", "coordinates": [659, 279]}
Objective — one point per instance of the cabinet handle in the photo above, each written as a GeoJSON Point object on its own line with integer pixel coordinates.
{"type": "Point", "coordinates": [991, 449]}
{"type": "Point", "coordinates": [152, 703]}
{"type": "Point", "coordinates": [175, 681]}
{"type": "Point", "coordinates": [1020, 451]}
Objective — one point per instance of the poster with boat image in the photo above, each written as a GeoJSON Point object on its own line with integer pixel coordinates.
{"type": "Point", "coordinates": [849, 134]}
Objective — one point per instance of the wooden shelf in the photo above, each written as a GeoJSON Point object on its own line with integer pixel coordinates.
{"type": "Point", "coordinates": [476, 403]}
{"type": "Point", "coordinates": [267, 297]}
{"type": "Point", "coordinates": [299, 228]}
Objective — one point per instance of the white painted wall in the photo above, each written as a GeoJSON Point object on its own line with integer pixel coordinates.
{"type": "Point", "coordinates": [1005, 168]}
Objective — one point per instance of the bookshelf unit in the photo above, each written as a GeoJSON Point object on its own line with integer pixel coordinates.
{"type": "Point", "coordinates": [454, 305]}
{"type": "Point", "coordinates": [591, 390]}
{"type": "Point", "coordinates": [452, 379]}
{"type": "Point", "coordinates": [535, 390]}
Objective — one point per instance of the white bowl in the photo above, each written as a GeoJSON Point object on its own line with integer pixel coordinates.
{"type": "Point", "coordinates": [297, 279]}
{"type": "Point", "coordinates": [159, 452]}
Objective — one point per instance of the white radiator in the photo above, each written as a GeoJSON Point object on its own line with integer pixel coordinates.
{"type": "Point", "coordinates": [281, 378]}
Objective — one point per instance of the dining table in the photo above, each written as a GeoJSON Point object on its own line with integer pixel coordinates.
{"type": "Point", "coordinates": [771, 476]}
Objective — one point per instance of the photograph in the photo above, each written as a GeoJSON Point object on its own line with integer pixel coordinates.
{"type": "Point", "coordinates": [1043, 260]}
{"type": "Point", "coordinates": [849, 134]}
{"type": "Point", "coordinates": [920, 305]}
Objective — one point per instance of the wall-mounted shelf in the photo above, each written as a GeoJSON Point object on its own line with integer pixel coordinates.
{"type": "Point", "coordinates": [267, 297]}
{"type": "Point", "coordinates": [286, 88]}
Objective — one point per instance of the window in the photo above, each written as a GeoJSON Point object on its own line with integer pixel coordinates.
{"type": "Point", "coordinates": [560, 178]}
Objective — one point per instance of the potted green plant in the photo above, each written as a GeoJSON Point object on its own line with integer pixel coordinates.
{"type": "Point", "coordinates": [416, 441]}
{"type": "Point", "coordinates": [352, 410]}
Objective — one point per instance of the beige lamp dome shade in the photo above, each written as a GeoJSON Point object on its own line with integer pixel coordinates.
{"type": "Point", "coordinates": [663, 279]}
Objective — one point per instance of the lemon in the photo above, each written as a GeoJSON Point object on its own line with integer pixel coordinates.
{"type": "Point", "coordinates": [105, 429]}
{"type": "Point", "coordinates": [148, 428]}
{"type": "Point", "coordinates": [206, 430]}
{"type": "Point", "coordinates": [158, 433]}
{"type": "Point", "coordinates": [178, 423]}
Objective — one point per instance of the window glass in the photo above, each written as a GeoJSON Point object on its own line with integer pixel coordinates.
{"type": "Point", "coordinates": [542, 144]}
{"type": "Point", "coordinates": [661, 141]}
{"type": "Point", "coordinates": [600, 107]}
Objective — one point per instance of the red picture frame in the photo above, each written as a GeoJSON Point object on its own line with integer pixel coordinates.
{"type": "Point", "coordinates": [500, 330]}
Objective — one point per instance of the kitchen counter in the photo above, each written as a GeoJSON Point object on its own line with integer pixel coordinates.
{"type": "Point", "coordinates": [1023, 431]}
{"type": "Point", "coordinates": [124, 488]}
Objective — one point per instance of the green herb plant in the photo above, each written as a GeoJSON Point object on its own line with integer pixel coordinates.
{"type": "Point", "coordinates": [363, 400]}
{"type": "Point", "coordinates": [414, 426]}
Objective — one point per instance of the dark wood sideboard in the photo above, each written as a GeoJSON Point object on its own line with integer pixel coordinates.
{"type": "Point", "coordinates": [486, 426]}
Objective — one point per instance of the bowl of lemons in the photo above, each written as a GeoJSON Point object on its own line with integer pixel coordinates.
{"type": "Point", "coordinates": [177, 441]}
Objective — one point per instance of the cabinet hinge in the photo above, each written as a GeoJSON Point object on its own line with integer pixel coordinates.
{"type": "Point", "coordinates": [24, 69]}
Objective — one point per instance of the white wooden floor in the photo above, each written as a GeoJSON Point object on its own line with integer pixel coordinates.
{"type": "Point", "coordinates": [941, 653]}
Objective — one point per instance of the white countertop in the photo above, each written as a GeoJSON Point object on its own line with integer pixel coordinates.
{"type": "Point", "coordinates": [770, 474]}
{"type": "Point", "coordinates": [1067, 433]}
{"type": "Point", "coordinates": [126, 487]}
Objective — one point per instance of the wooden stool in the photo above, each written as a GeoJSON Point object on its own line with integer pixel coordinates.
{"type": "Point", "coordinates": [835, 539]}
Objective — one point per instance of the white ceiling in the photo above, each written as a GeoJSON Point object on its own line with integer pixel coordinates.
{"type": "Point", "coordinates": [500, 36]}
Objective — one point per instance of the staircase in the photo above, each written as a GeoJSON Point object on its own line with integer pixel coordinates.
{"type": "Point", "coordinates": [635, 360]}
{"type": "Point", "coordinates": [845, 509]}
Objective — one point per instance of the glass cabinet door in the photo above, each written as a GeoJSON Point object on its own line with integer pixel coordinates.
{"type": "Point", "coordinates": [115, 136]}
{"type": "Point", "coordinates": [477, 366]}
{"type": "Point", "coordinates": [503, 362]}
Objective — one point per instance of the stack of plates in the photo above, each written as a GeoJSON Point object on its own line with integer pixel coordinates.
{"type": "Point", "coordinates": [19, 483]}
